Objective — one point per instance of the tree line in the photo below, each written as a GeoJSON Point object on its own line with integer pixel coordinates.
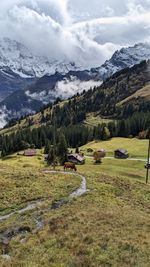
{"type": "Point", "coordinates": [74, 135]}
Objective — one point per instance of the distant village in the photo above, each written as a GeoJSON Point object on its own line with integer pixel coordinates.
{"type": "Point", "coordinates": [79, 158]}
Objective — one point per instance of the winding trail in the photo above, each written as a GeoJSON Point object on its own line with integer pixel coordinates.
{"type": "Point", "coordinates": [9, 234]}
{"type": "Point", "coordinates": [81, 190]}
{"type": "Point", "coordinates": [33, 205]}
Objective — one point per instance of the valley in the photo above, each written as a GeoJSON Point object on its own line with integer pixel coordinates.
{"type": "Point", "coordinates": [74, 133]}
{"type": "Point", "coordinates": [95, 214]}
{"type": "Point", "coordinates": [28, 81]}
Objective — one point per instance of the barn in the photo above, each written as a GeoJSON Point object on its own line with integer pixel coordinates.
{"type": "Point", "coordinates": [30, 152]}
{"type": "Point", "coordinates": [121, 154]}
{"type": "Point", "coordinates": [76, 158]}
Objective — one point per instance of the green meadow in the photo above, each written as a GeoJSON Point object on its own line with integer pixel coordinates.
{"type": "Point", "coordinates": [107, 226]}
{"type": "Point", "coordinates": [137, 148]}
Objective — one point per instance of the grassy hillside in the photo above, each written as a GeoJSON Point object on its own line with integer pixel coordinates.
{"type": "Point", "coordinates": [108, 226]}
{"type": "Point", "coordinates": [93, 119]}
{"type": "Point", "coordinates": [142, 94]}
{"type": "Point", "coordinates": [22, 180]}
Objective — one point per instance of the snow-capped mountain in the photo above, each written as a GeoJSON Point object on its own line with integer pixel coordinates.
{"type": "Point", "coordinates": [20, 67]}
{"type": "Point", "coordinates": [20, 60]}
{"type": "Point", "coordinates": [126, 57]}
{"type": "Point", "coordinates": [60, 80]}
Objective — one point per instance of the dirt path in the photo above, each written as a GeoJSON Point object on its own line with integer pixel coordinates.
{"type": "Point", "coordinates": [6, 236]}
{"type": "Point", "coordinates": [81, 190]}
{"type": "Point", "coordinates": [134, 159]}
{"type": "Point", "coordinates": [33, 205]}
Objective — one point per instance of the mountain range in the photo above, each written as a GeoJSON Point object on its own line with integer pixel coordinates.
{"type": "Point", "coordinates": [125, 96]}
{"type": "Point", "coordinates": [28, 81]}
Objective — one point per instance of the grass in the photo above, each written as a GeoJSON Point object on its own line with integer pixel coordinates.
{"type": "Point", "coordinates": [22, 183]}
{"type": "Point", "coordinates": [115, 167]}
{"type": "Point", "coordinates": [25, 162]}
{"type": "Point", "coordinates": [143, 93]}
{"type": "Point", "coordinates": [108, 226]}
{"type": "Point", "coordinates": [136, 148]}
{"type": "Point", "coordinates": [94, 119]}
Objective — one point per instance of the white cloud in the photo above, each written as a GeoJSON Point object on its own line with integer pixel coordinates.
{"type": "Point", "coordinates": [63, 89]}
{"type": "Point", "coordinates": [3, 116]}
{"type": "Point", "coordinates": [66, 87]}
{"type": "Point", "coordinates": [87, 32]}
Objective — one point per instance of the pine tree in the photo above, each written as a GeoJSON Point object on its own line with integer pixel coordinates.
{"type": "Point", "coordinates": [47, 147]}
{"type": "Point", "coordinates": [62, 149]}
{"type": "Point", "coordinates": [50, 158]}
{"type": "Point", "coordinates": [105, 133]}
{"type": "Point", "coordinates": [77, 150]}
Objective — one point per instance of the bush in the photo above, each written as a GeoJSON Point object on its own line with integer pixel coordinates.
{"type": "Point", "coordinates": [90, 150]}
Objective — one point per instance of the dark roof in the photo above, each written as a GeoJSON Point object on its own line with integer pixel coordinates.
{"type": "Point", "coordinates": [121, 150]}
{"type": "Point", "coordinates": [77, 157]}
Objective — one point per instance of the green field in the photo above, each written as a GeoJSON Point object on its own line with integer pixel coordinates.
{"type": "Point", "coordinates": [136, 148]}
{"type": "Point", "coordinates": [95, 119]}
{"type": "Point", "coordinates": [107, 226]}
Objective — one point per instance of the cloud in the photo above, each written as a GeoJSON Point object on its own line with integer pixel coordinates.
{"type": "Point", "coordinates": [3, 116]}
{"type": "Point", "coordinates": [66, 87]}
{"type": "Point", "coordinates": [63, 89]}
{"type": "Point", "coordinates": [87, 32]}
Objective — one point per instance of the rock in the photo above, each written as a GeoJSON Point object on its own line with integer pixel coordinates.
{"type": "Point", "coordinates": [4, 246]}
{"type": "Point", "coordinates": [6, 257]}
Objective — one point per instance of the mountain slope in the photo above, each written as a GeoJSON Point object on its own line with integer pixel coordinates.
{"type": "Point", "coordinates": [126, 57]}
{"type": "Point", "coordinates": [20, 60]}
{"type": "Point", "coordinates": [11, 82]}
{"type": "Point", "coordinates": [62, 84]}
{"type": "Point", "coordinates": [45, 90]}
{"type": "Point", "coordinates": [114, 99]}
{"type": "Point", "coordinates": [140, 95]}
{"type": "Point", "coordinates": [19, 67]}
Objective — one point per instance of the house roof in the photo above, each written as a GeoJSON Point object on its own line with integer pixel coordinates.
{"type": "Point", "coordinates": [101, 150]}
{"type": "Point", "coordinates": [76, 156]}
{"type": "Point", "coordinates": [121, 150]}
{"type": "Point", "coordinates": [30, 152]}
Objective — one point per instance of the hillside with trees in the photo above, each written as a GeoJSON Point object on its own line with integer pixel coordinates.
{"type": "Point", "coordinates": [125, 98]}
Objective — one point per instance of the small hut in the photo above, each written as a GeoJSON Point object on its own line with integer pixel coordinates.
{"type": "Point", "coordinates": [121, 154]}
{"type": "Point", "coordinates": [98, 155]}
{"type": "Point", "coordinates": [30, 152]}
{"type": "Point", "coordinates": [76, 159]}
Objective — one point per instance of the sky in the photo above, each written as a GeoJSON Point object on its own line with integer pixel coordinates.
{"type": "Point", "coordinates": [84, 31]}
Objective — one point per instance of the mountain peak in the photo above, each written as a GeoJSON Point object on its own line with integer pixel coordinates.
{"type": "Point", "coordinates": [123, 58]}
{"type": "Point", "coordinates": [19, 59]}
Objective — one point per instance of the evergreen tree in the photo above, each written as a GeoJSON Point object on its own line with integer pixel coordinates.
{"type": "Point", "coordinates": [105, 133]}
{"type": "Point", "coordinates": [77, 150]}
{"type": "Point", "coordinates": [47, 147]}
{"type": "Point", "coordinates": [50, 158]}
{"type": "Point", "coordinates": [62, 149]}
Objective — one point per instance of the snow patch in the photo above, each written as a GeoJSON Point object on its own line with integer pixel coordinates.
{"type": "Point", "coordinates": [23, 62]}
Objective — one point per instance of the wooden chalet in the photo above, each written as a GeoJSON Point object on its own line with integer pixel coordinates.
{"type": "Point", "coordinates": [30, 152]}
{"type": "Point", "coordinates": [76, 159]}
{"type": "Point", "coordinates": [121, 154]}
